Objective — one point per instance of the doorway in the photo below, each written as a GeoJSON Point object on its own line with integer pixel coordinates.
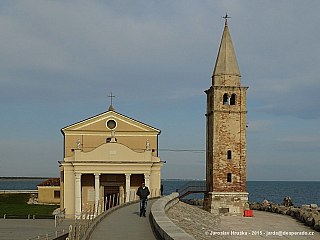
{"type": "Point", "coordinates": [111, 196]}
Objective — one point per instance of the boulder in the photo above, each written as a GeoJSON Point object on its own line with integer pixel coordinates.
{"type": "Point", "coordinates": [309, 218]}
{"type": "Point", "coordinates": [57, 211]}
{"type": "Point", "coordinates": [287, 202]}
{"type": "Point", "coordinates": [305, 206]}
{"type": "Point", "coordinates": [314, 206]}
{"type": "Point", "coordinates": [33, 199]}
{"type": "Point", "coordinates": [316, 219]}
{"type": "Point", "coordinates": [255, 206]}
{"type": "Point", "coordinates": [273, 208]}
{"type": "Point", "coordinates": [283, 210]}
{"type": "Point", "coordinates": [295, 212]}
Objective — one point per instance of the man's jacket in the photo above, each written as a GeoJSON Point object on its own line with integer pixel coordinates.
{"type": "Point", "coordinates": [143, 193]}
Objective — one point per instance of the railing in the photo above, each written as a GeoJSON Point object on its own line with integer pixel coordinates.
{"type": "Point", "coordinates": [58, 218]}
{"type": "Point", "coordinates": [192, 187]}
{"type": "Point", "coordinates": [83, 221]}
{"type": "Point", "coordinates": [50, 236]}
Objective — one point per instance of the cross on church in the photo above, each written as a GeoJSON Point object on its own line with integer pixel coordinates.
{"type": "Point", "coordinates": [111, 96]}
{"type": "Point", "coordinates": [226, 17]}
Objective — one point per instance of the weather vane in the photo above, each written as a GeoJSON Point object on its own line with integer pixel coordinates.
{"type": "Point", "coordinates": [226, 17]}
{"type": "Point", "coordinates": [111, 96]}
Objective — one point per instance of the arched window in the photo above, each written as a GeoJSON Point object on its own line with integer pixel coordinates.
{"type": "Point", "coordinates": [229, 154]}
{"type": "Point", "coordinates": [233, 99]}
{"type": "Point", "coordinates": [229, 175]}
{"type": "Point", "coordinates": [226, 99]}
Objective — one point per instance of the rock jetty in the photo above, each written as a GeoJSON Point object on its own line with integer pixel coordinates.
{"type": "Point", "coordinates": [308, 214]}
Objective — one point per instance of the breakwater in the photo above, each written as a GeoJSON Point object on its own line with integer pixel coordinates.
{"type": "Point", "coordinates": [308, 214]}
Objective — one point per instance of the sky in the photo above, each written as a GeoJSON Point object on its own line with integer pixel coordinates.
{"type": "Point", "coordinates": [59, 61]}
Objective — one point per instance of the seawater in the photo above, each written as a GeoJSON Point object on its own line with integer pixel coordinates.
{"type": "Point", "coordinates": [301, 192]}
{"type": "Point", "coordinates": [20, 184]}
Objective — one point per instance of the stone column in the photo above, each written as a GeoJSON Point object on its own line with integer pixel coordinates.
{"type": "Point", "coordinates": [77, 193]}
{"type": "Point", "coordinates": [96, 189]}
{"type": "Point", "coordinates": [128, 186]}
{"type": "Point", "coordinates": [146, 181]}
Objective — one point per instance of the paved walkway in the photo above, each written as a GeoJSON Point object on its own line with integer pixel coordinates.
{"type": "Point", "coordinates": [125, 223]}
{"type": "Point", "coordinates": [22, 229]}
{"type": "Point", "coordinates": [266, 225]}
{"type": "Point", "coordinates": [263, 225]}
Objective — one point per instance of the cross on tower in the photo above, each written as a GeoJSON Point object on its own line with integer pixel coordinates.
{"type": "Point", "coordinates": [111, 96]}
{"type": "Point", "coordinates": [226, 17]}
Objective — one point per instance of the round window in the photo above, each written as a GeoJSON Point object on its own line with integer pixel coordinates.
{"type": "Point", "coordinates": [111, 124]}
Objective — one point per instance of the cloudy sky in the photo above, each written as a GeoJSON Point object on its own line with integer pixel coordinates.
{"type": "Point", "coordinates": [59, 60]}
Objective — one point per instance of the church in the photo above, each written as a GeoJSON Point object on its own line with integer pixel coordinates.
{"type": "Point", "coordinates": [107, 154]}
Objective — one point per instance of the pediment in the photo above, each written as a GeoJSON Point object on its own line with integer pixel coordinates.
{"type": "Point", "coordinates": [113, 152]}
{"type": "Point", "coordinates": [99, 122]}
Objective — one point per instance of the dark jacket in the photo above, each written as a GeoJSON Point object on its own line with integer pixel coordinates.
{"type": "Point", "coordinates": [143, 193]}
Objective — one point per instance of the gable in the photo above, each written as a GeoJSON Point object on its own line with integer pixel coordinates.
{"type": "Point", "coordinates": [99, 122]}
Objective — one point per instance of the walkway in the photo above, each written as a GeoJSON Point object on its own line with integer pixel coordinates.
{"type": "Point", "coordinates": [22, 229]}
{"type": "Point", "coordinates": [125, 223]}
{"type": "Point", "coordinates": [203, 225]}
{"type": "Point", "coordinates": [266, 225]}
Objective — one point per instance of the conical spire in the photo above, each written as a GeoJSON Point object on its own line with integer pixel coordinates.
{"type": "Point", "coordinates": [111, 108]}
{"type": "Point", "coordinates": [226, 63]}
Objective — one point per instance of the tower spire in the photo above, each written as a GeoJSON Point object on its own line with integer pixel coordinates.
{"type": "Point", "coordinates": [226, 63]}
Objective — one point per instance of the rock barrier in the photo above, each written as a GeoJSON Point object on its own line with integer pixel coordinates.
{"type": "Point", "coordinates": [196, 202]}
{"type": "Point", "coordinates": [308, 214]}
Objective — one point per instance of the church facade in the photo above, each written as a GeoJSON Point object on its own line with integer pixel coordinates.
{"type": "Point", "coordinates": [107, 155]}
{"type": "Point", "coordinates": [226, 135]}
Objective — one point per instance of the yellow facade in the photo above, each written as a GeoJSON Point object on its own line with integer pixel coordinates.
{"type": "Point", "coordinates": [107, 155]}
{"type": "Point", "coordinates": [49, 194]}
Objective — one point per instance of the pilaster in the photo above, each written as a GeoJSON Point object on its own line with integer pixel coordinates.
{"type": "Point", "coordinates": [77, 193]}
{"type": "Point", "coordinates": [128, 175]}
{"type": "Point", "coordinates": [97, 189]}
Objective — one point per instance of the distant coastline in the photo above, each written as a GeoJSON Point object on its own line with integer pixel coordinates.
{"type": "Point", "coordinates": [23, 178]}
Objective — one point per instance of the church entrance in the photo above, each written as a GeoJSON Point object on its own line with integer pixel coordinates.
{"type": "Point", "coordinates": [111, 196]}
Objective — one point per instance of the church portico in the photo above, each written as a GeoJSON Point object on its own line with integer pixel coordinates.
{"type": "Point", "coordinates": [112, 171]}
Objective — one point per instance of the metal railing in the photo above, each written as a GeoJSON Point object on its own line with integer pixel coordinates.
{"type": "Point", "coordinates": [192, 187]}
{"type": "Point", "coordinates": [50, 236]}
{"type": "Point", "coordinates": [58, 218]}
{"type": "Point", "coordinates": [83, 221]}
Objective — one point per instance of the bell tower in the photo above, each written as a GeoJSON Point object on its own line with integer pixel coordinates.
{"type": "Point", "coordinates": [226, 135]}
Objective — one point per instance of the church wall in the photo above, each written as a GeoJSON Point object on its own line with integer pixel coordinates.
{"type": "Point", "coordinates": [61, 187]}
{"type": "Point", "coordinates": [87, 182]}
{"type": "Point", "coordinates": [90, 142]}
{"type": "Point", "coordinates": [155, 181]}
{"type": "Point", "coordinates": [69, 190]}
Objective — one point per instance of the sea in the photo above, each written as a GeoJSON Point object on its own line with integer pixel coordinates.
{"type": "Point", "coordinates": [301, 192]}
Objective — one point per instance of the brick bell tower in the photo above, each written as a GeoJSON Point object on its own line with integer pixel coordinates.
{"type": "Point", "coordinates": [226, 135]}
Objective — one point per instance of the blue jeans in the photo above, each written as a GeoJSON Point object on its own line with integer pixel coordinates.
{"type": "Point", "coordinates": [143, 206]}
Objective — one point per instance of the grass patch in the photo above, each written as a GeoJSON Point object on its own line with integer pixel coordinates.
{"type": "Point", "coordinates": [16, 204]}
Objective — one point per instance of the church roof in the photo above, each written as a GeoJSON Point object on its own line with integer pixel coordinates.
{"type": "Point", "coordinates": [81, 125]}
{"type": "Point", "coordinates": [226, 63]}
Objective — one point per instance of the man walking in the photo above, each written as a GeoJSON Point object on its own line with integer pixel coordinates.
{"type": "Point", "coordinates": [143, 192]}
